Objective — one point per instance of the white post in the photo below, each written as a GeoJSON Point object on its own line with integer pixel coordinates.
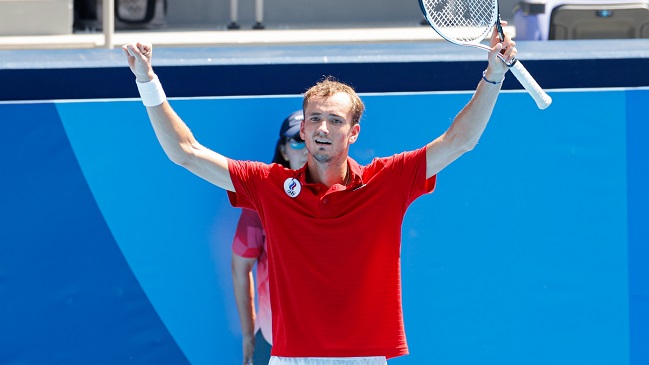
{"type": "Point", "coordinates": [108, 22]}
{"type": "Point", "coordinates": [234, 11]}
{"type": "Point", "coordinates": [234, 14]}
{"type": "Point", "coordinates": [259, 11]}
{"type": "Point", "coordinates": [259, 15]}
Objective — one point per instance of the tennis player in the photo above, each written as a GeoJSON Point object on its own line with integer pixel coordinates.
{"type": "Point", "coordinates": [335, 281]}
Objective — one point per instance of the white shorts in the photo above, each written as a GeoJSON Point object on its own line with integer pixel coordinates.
{"type": "Point", "coordinates": [373, 360]}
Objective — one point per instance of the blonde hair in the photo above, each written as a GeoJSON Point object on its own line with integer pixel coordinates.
{"type": "Point", "coordinates": [329, 86]}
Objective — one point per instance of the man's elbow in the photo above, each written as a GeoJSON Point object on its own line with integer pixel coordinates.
{"type": "Point", "coordinates": [467, 142]}
{"type": "Point", "coordinates": [180, 160]}
{"type": "Point", "coordinates": [469, 146]}
{"type": "Point", "coordinates": [463, 144]}
{"type": "Point", "coordinates": [181, 155]}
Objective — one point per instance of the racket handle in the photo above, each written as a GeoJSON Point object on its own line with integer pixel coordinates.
{"type": "Point", "coordinates": [542, 99]}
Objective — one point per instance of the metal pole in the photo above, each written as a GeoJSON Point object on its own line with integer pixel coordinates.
{"type": "Point", "coordinates": [259, 15]}
{"type": "Point", "coordinates": [234, 14]}
{"type": "Point", "coordinates": [108, 22]}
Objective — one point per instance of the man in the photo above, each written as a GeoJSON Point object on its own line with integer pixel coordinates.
{"type": "Point", "coordinates": [335, 282]}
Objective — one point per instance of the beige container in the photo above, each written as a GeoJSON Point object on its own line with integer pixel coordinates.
{"type": "Point", "coordinates": [35, 17]}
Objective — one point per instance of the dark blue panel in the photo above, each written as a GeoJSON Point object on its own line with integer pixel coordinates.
{"type": "Point", "coordinates": [272, 70]}
{"type": "Point", "coordinates": [68, 295]}
{"type": "Point", "coordinates": [638, 198]}
{"type": "Point", "coordinates": [67, 83]}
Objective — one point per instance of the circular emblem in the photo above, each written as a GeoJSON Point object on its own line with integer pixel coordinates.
{"type": "Point", "coordinates": [292, 187]}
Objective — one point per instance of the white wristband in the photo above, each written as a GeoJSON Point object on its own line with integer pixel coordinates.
{"type": "Point", "coordinates": [151, 92]}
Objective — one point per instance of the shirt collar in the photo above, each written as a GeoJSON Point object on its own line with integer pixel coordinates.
{"type": "Point", "coordinates": [355, 169]}
{"type": "Point", "coordinates": [357, 174]}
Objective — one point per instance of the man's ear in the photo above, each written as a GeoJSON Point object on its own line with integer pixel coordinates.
{"type": "Point", "coordinates": [302, 134]}
{"type": "Point", "coordinates": [356, 130]}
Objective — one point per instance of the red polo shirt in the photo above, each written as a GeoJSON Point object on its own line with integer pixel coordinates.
{"type": "Point", "coordinates": [334, 254]}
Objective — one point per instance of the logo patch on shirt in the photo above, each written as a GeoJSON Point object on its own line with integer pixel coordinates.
{"type": "Point", "coordinates": [292, 187]}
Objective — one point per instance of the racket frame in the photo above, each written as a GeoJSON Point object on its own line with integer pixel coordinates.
{"type": "Point", "coordinates": [542, 99]}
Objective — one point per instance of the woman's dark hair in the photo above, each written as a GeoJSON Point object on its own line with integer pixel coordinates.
{"type": "Point", "coordinates": [278, 158]}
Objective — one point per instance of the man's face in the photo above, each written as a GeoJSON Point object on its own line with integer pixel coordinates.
{"type": "Point", "coordinates": [327, 128]}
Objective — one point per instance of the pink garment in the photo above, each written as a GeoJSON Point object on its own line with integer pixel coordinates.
{"type": "Point", "coordinates": [250, 242]}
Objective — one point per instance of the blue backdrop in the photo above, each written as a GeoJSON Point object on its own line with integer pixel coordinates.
{"type": "Point", "coordinates": [532, 249]}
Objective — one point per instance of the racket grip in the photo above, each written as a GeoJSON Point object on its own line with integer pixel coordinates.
{"type": "Point", "coordinates": [542, 99]}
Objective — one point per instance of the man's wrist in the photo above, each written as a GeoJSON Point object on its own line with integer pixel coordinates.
{"type": "Point", "coordinates": [493, 77]}
{"type": "Point", "coordinates": [143, 78]}
{"type": "Point", "coordinates": [151, 91]}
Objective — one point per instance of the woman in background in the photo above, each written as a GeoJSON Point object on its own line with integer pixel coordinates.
{"type": "Point", "coordinates": [249, 247]}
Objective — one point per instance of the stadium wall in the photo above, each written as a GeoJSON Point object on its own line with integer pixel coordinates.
{"type": "Point", "coordinates": [532, 249]}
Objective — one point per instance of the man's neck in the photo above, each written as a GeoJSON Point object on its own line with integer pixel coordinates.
{"type": "Point", "coordinates": [328, 174]}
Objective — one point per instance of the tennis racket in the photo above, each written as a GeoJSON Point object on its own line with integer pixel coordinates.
{"type": "Point", "coordinates": [469, 22]}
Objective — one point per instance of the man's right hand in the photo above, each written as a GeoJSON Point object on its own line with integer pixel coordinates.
{"type": "Point", "coordinates": [139, 60]}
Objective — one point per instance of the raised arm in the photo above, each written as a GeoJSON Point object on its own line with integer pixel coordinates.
{"type": "Point", "coordinates": [468, 125]}
{"type": "Point", "coordinates": [174, 136]}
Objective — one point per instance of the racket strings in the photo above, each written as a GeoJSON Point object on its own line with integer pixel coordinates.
{"type": "Point", "coordinates": [464, 21]}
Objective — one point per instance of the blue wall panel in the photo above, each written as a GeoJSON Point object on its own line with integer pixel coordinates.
{"type": "Point", "coordinates": [519, 255]}
{"type": "Point", "coordinates": [520, 247]}
{"type": "Point", "coordinates": [174, 229]}
{"type": "Point", "coordinates": [638, 197]}
{"type": "Point", "coordinates": [68, 296]}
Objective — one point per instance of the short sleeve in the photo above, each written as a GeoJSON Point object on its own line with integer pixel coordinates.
{"type": "Point", "coordinates": [408, 171]}
{"type": "Point", "coordinates": [246, 176]}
